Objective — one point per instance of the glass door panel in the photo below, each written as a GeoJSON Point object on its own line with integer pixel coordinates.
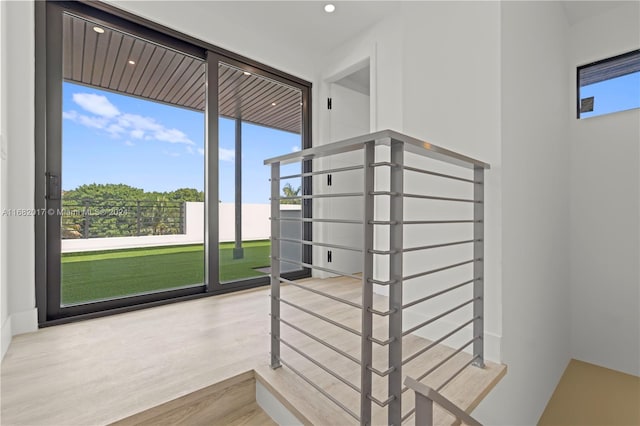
{"type": "Point", "coordinates": [259, 118]}
{"type": "Point", "coordinates": [132, 166]}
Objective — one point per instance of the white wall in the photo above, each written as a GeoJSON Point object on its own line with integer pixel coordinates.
{"type": "Point", "coordinates": [381, 45]}
{"type": "Point", "coordinates": [5, 324]}
{"type": "Point", "coordinates": [605, 208]}
{"type": "Point", "coordinates": [18, 70]}
{"type": "Point", "coordinates": [482, 78]}
{"type": "Point", "coordinates": [535, 211]}
{"type": "Point", "coordinates": [451, 97]}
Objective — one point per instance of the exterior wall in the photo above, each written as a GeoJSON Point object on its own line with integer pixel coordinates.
{"type": "Point", "coordinates": [605, 207]}
{"type": "Point", "coordinates": [255, 226]}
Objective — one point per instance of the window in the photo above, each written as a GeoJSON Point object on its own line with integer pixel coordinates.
{"type": "Point", "coordinates": [609, 85]}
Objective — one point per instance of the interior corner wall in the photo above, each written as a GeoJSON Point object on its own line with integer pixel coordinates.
{"type": "Point", "coordinates": [535, 211]}
{"type": "Point", "coordinates": [605, 207]}
{"type": "Point", "coordinates": [18, 71]}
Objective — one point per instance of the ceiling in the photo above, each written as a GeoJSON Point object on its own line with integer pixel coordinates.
{"type": "Point", "coordinates": [578, 10]}
{"type": "Point", "coordinates": [300, 24]}
{"type": "Point", "coordinates": [102, 60]}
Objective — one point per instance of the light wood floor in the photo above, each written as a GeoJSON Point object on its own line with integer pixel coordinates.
{"type": "Point", "coordinates": [106, 369]}
{"type": "Point", "coordinates": [589, 395]}
{"type": "Point", "coordinates": [231, 402]}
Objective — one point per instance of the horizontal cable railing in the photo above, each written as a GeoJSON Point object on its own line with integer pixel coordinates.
{"type": "Point", "coordinates": [316, 312]}
{"type": "Point", "coordinates": [120, 217]}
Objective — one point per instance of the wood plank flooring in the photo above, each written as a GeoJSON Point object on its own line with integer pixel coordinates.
{"type": "Point", "coordinates": [226, 403]}
{"type": "Point", "coordinates": [103, 370]}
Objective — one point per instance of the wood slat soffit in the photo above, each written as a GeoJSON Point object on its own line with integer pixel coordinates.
{"type": "Point", "coordinates": [102, 60]}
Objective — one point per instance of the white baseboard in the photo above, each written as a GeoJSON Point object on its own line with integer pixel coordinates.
{"type": "Point", "coordinates": [24, 322]}
{"type": "Point", "coordinates": [5, 335]}
{"type": "Point", "coordinates": [434, 331]}
{"type": "Point", "coordinates": [274, 408]}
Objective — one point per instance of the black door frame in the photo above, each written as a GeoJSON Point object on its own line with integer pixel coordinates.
{"type": "Point", "coordinates": [48, 129]}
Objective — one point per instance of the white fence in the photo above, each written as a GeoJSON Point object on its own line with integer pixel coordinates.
{"type": "Point", "coordinates": [255, 226]}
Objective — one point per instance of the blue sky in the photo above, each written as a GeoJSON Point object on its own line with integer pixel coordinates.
{"type": "Point", "coordinates": [112, 138]}
{"type": "Point", "coordinates": [618, 94]}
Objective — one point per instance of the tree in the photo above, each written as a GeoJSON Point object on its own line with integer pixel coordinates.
{"type": "Point", "coordinates": [186, 194]}
{"type": "Point", "coordinates": [288, 191]}
{"type": "Point", "coordinates": [119, 210]}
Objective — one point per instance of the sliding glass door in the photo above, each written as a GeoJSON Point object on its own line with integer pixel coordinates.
{"type": "Point", "coordinates": [155, 186]}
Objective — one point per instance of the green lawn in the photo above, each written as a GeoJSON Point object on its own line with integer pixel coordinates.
{"type": "Point", "coordinates": [101, 275]}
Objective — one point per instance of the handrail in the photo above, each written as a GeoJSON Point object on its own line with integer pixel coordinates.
{"type": "Point", "coordinates": [429, 396]}
{"type": "Point", "coordinates": [383, 137]}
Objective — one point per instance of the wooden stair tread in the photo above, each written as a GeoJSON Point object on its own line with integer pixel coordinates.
{"type": "Point", "coordinates": [249, 415]}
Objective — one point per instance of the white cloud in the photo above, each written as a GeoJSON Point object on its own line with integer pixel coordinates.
{"type": "Point", "coordinates": [138, 122]}
{"type": "Point", "coordinates": [295, 149]}
{"type": "Point", "coordinates": [149, 128]}
{"type": "Point", "coordinates": [171, 154]}
{"type": "Point", "coordinates": [108, 118]}
{"type": "Point", "coordinates": [190, 150]}
{"type": "Point", "coordinates": [85, 120]}
{"type": "Point", "coordinates": [172, 136]}
{"type": "Point", "coordinates": [115, 130]}
{"type": "Point", "coordinates": [70, 115]}
{"type": "Point", "coordinates": [137, 134]}
{"type": "Point", "coordinates": [95, 122]}
{"type": "Point", "coordinates": [201, 151]}
{"type": "Point", "coordinates": [226, 154]}
{"type": "Point", "coordinates": [96, 104]}
{"type": "Point", "coordinates": [129, 143]}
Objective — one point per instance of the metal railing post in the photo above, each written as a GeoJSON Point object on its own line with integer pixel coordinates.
{"type": "Point", "coordinates": [138, 218]}
{"type": "Point", "coordinates": [478, 266]}
{"type": "Point", "coordinates": [86, 214]}
{"type": "Point", "coordinates": [366, 350]}
{"type": "Point", "coordinates": [275, 266]}
{"type": "Point", "coordinates": [424, 410]}
{"type": "Point", "coordinates": [183, 218]}
{"type": "Point", "coordinates": [396, 216]}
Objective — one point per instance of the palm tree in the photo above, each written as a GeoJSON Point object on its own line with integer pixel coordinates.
{"type": "Point", "coordinates": [288, 191]}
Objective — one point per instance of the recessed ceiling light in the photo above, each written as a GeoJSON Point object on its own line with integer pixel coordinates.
{"type": "Point", "coordinates": [98, 30]}
{"type": "Point", "coordinates": [132, 62]}
{"type": "Point", "coordinates": [329, 8]}
{"type": "Point", "coordinates": [247, 73]}
{"type": "Point", "coordinates": [273, 104]}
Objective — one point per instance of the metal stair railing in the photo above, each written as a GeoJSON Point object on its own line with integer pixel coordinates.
{"type": "Point", "coordinates": [398, 144]}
